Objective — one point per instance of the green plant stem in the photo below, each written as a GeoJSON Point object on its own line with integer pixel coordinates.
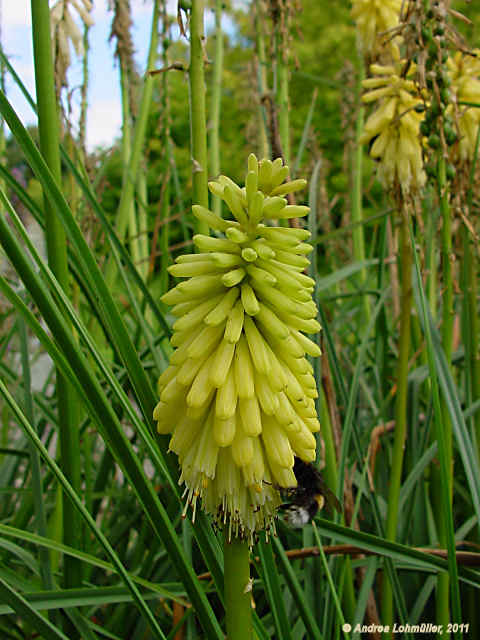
{"type": "Point", "coordinates": [125, 154]}
{"type": "Point", "coordinates": [470, 293]}
{"type": "Point", "coordinates": [133, 237]}
{"type": "Point", "coordinates": [2, 122]}
{"type": "Point", "coordinates": [82, 121]}
{"type": "Point", "coordinates": [281, 92]}
{"type": "Point", "coordinates": [443, 581]}
{"type": "Point", "coordinates": [130, 175]}
{"type": "Point", "coordinates": [305, 135]}
{"type": "Point", "coordinates": [142, 228]}
{"type": "Point", "coordinates": [237, 589]}
{"type": "Point", "coordinates": [216, 102]}
{"type": "Point", "coordinates": [431, 252]}
{"type": "Point", "coordinates": [167, 146]}
{"type": "Point", "coordinates": [188, 547]}
{"type": "Point", "coordinates": [198, 111]}
{"type": "Point", "coordinates": [400, 405]}
{"type": "Point", "coordinates": [165, 230]}
{"type": "Point", "coordinates": [381, 329]}
{"type": "Point", "coordinates": [471, 332]}
{"type": "Point", "coordinates": [447, 296]}
{"type": "Point", "coordinates": [264, 148]}
{"type": "Point", "coordinates": [328, 438]}
{"type": "Point", "coordinates": [357, 196]}
{"type": "Point", "coordinates": [48, 128]}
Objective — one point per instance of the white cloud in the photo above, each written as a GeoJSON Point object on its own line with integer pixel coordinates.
{"type": "Point", "coordinates": [139, 8]}
{"type": "Point", "coordinates": [15, 13]}
{"type": "Point", "coordinates": [104, 122]}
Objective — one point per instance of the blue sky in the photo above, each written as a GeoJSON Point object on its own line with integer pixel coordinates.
{"type": "Point", "coordinates": [104, 115]}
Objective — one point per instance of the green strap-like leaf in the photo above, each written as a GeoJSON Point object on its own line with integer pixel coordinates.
{"type": "Point", "coordinates": [296, 591]}
{"type": "Point", "coordinates": [28, 613]}
{"type": "Point", "coordinates": [30, 432]}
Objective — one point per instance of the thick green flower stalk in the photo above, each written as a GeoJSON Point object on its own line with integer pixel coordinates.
{"type": "Point", "coordinates": [464, 76]}
{"type": "Point", "coordinates": [239, 393]}
{"type": "Point", "coordinates": [375, 18]}
{"type": "Point", "coordinates": [395, 126]}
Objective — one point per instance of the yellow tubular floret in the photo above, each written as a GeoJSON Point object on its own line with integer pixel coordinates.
{"type": "Point", "coordinates": [221, 363]}
{"type": "Point", "coordinates": [204, 341]}
{"type": "Point", "coordinates": [243, 368]}
{"type": "Point", "coordinates": [250, 415]}
{"type": "Point", "coordinates": [242, 448]}
{"type": "Point", "coordinates": [224, 430]}
{"type": "Point", "coordinates": [249, 300]}
{"type": "Point", "coordinates": [253, 472]}
{"type": "Point", "coordinates": [226, 402]}
{"type": "Point", "coordinates": [276, 442]}
{"type": "Point", "coordinates": [234, 326]}
{"type": "Point", "coordinates": [185, 429]}
{"type": "Point", "coordinates": [206, 243]}
{"type": "Point", "coordinates": [202, 387]}
{"type": "Point", "coordinates": [221, 308]}
{"type": "Point", "coordinates": [257, 348]}
{"type": "Point", "coordinates": [189, 370]}
{"type": "Point", "coordinates": [270, 322]}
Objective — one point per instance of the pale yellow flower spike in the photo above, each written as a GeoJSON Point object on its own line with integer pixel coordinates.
{"type": "Point", "coordinates": [394, 127]}
{"type": "Point", "coordinates": [238, 395]}
{"type": "Point", "coordinates": [464, 73]}
{"type": "Point", "coordinates": [375, 17]}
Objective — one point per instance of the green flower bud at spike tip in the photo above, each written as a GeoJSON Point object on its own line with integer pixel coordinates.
{"type": "Point", "coordinates": [238, 395]}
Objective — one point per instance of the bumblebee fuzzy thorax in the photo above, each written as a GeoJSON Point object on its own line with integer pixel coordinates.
{"type": "Point", "coordinates": [308, 497]}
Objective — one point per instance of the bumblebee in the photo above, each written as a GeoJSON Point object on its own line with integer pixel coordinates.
{"type": "Point", "coordinates": [308, 497]}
